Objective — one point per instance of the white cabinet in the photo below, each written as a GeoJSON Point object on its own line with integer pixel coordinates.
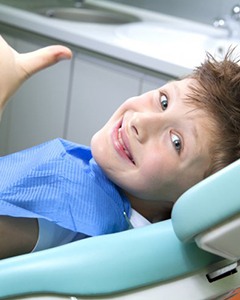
{"type": "Point", "coordinates": [37, 112]}
{"type": "Point", "coordinates": [98, 88]}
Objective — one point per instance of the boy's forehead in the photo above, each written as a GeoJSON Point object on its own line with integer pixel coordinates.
{"type": "Point", "coordinates": [180, 86]}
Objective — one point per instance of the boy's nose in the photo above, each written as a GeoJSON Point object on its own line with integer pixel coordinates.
{"type": "Point", "coordinates": [145, 125]}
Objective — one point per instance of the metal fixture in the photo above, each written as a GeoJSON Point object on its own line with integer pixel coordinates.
{"type": "Point", "coordinates": [79, 3]}
{"type": "Point", "coordinates": [236, 12]}
{"type": "Point", "coordinates": [230, 22]}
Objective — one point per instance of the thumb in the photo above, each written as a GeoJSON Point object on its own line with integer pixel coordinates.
{"type": "Point", "coordinates": [16, 67]}
{"type": "Point", "coordinates": [32, 62]}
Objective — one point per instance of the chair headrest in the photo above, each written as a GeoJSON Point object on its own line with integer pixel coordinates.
{"type": "Point", "coordinates": [208, 203]}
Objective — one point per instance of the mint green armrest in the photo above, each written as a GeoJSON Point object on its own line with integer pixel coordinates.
{"type": "Point", "coordinates": [104, 264]}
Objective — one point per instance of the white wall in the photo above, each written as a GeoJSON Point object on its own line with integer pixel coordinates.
{"type": "Point", "coordinates": [202, 10]}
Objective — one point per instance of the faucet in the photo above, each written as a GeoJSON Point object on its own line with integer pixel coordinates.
{"type": "Point", "coordinates": [79, 3]}
{"type": "Point", "coordinates": [230, 22]}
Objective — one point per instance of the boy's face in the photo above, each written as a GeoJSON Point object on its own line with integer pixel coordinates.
{"type": "Point", "coordinates": [155, 146]}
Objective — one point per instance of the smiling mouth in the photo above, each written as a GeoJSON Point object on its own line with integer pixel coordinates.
{"type": "Point", "coordinates": [120, 139]}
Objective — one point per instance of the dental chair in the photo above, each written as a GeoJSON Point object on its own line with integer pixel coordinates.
{"type": "Point", "coordinates": [194, 255]}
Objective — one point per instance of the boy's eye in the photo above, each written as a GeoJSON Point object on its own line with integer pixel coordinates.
{"type": "Point", "coordinates": [176, 142]}
{"type": "Point", "coordinates": [164, 102]}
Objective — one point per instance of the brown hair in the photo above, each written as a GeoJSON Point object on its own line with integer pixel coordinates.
{"type": "Point", "coordinates": [218, 92]}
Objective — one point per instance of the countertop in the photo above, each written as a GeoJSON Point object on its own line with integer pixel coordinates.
{"type": "Point", "coordinates": [157, 54]}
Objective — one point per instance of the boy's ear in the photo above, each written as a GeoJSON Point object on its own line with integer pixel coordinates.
{"type": "Point", "coordinates": [15, 68]}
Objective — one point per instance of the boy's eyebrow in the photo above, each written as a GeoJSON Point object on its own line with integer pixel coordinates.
{"type": "Point", "coordinates": [195, 133]}
{"type": "Point", "coordinates": [193, 140]}
{"type": "Point", "coordinates": [174, 91]}
{"type": "Point", "coordinates": [176, 88]}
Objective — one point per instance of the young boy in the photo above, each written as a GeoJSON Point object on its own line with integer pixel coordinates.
{"type": "Point", "coordinates": [153, 148]}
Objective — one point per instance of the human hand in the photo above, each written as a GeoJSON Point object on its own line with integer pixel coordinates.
{"type": "Point", "coordinates": [15, 68]}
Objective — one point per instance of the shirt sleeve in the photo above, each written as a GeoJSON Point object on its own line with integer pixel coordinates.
{"type": "Point", "coordinates": [51, 235]}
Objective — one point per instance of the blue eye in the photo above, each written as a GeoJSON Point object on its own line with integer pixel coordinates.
{"type": "Point", "coordinates": [164, 102]}
{"type": "Point", "coordinates": [176, 142]}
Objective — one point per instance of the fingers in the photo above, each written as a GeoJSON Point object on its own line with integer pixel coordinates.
{"type": "Point", "coordinates": [32, 62]}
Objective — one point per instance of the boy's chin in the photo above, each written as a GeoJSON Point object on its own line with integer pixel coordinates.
{"type": "Point", "coordinates": [96, 145]}
{"type": "Point", "coordinates": [95, 139]}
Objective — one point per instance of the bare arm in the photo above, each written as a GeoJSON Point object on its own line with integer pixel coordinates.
{"type": "Point", "coordinates": [17, 236]}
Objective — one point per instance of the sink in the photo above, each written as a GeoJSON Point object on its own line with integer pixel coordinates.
{"type": "Point", "coordinates": [173, 43]}
{"type": "Point", "coordinates": [162, 34]}
{"type": "Point", "coordinates": [88, 15]}
{"type": "Point", "coordinates": [72, 10]}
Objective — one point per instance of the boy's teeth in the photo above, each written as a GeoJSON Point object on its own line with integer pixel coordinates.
{"type": "Point", "coordinates": [120, 137]}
